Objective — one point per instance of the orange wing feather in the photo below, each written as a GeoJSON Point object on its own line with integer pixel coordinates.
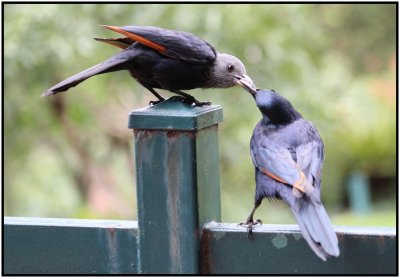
{"type": "Point", "coordinates": [296, 184]}
{"type": "Point", "coordinates": [137, 38]}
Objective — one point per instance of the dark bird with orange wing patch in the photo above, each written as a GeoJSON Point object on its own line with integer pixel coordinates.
{"type": "Point", "coordinates": [165, 59]}
{"type": "Point", "coordinates": [288, 154]}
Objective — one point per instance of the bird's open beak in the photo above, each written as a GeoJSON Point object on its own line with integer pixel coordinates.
{"type": "Point", "coordinates": [248, 84]}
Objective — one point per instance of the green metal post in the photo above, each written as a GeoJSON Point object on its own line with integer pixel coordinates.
{"type": "Point", "coordinates": [177, 169]}
{"type": "Point", "coordinates": [359, 192]}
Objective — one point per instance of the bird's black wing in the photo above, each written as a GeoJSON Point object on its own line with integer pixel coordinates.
{"type": "Point", "coordinates": [174, 44]}
{"type": "Point", "coordinates": [276, 160]}
{"type": "Point", "coordinates": [310, 157]}
{"type": "Point", "coordinates": [310, 213]}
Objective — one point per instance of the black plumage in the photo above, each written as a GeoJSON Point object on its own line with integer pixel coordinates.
{"type": "Point", "coordinates": [288, 155]}
{"type": "Point", "coordinates": [165, 59]}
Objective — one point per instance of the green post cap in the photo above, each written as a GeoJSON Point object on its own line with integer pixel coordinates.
{"type": "Point", "coordinates": [175, 115]}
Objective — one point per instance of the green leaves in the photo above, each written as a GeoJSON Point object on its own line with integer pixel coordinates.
{"type": "Point", "coordinates": [326, 59]}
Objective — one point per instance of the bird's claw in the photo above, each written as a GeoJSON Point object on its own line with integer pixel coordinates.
{"type": "Point", "coordinates": [249, 224]}
{"type": "Point", "coordinates": [195, 102]}
{"type": "Point", "coordinates": [178, 98]}
{"type": "Point", "coordinates": [191, 100]}
{"type": "Point", "coordinates": [201, 103]}
{"type": "Point", "coordinates": [154, 102]}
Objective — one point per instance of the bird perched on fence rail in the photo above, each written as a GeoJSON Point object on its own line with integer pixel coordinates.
{"type": "Point", "coordinates": [165, 59]}
{"type": "Point", "coordinates": [288, 154]}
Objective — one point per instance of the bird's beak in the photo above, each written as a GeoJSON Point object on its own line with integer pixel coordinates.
{"type": "Point", "coordinates": [248, 84]}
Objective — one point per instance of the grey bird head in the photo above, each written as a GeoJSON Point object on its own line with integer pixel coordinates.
{"type": "Point", "coordinates": [229, 71]}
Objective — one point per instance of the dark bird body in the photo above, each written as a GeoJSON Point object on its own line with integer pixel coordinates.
{"type": "Point", "coordinates": [164, 59]}
{"type": "Point", "coordinates": [288, 155]}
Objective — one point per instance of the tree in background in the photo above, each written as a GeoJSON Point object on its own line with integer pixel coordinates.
{"type": "Point", "coordinates": [71, 155]}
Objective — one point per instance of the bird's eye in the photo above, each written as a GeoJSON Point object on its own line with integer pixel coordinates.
{"type": "Point", "coordinates": [230, 67]}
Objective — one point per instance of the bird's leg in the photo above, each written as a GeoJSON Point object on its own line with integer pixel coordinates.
{"type": "Point", "coordinates": [190, 99]}
{"type": "Point", "coordinates": [160, 98]}
{"type": "Point", "coordinates": [250, 222]}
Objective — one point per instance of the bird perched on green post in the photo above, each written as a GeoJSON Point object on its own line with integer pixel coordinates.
{"type": "Point", "coordinates": [288, 154]}
{"type": "Point", "coordinates": [165, 59]}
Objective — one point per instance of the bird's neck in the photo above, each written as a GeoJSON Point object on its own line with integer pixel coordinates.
{"type": "Point", "coordinates": [276, 109]}
{"type": "Point", "coordinates": [216, 75]}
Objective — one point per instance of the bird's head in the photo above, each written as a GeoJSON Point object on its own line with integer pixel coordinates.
{"type": "Point", "coordinates": [229, 71]}
{"type": "Point", "coordinates": [275, 108]}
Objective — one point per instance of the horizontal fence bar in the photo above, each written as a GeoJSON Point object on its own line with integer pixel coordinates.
{"type": "Point", "coordinates": [280, 249]}
{"type": "Point", "coordinates": [69, 246]}
{"type": "Point", "coordinates": [72, 246]}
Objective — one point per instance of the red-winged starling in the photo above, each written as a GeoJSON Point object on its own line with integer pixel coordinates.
{"type": "Point", "coordinates": [165, 59]}
{"type": "Point", "coordinates": [288, 154]}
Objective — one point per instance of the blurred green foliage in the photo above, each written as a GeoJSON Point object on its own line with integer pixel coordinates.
{"type": "Point", "coordinates": [71, 155]}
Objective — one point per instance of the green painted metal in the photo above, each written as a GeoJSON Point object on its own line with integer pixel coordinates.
{"type": "Point", "coordinates": [69, 246]}
{"type": "Point", "coordinates": [358, 189]}
{"type": "Point", "coordinates": [175, 115]}
{"type": "Point", "coordinates": [207, 178]}
{"type": "Point", "coordinates": [280, 249]}
{"type": "Point", "coordinates": [177, 169]}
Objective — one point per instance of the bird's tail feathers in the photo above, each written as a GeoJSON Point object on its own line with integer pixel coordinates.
{"type": "Point", "coordinates": [118, 42]}
{"type": "Point", "coordinates": [112, 64]}
{"type": "Point", "coordinates": [317, 229]}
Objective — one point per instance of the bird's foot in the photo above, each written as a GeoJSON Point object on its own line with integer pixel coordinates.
{"type": "Point", "coordinates": [191, 100]}
{"type": "Point", "coordinates": [201, 103]}
{"type": "Point", "coordinates": [154, 102]}
{"type": "Point", "coordinates": [179, 98]}
{"type": "Point", "coordinates": [249, 224]}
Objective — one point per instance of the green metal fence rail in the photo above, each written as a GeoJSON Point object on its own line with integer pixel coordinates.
{"type": "Point", "coordinates": [178, 229]}
{"type": "Point", "coordinates": [69, 246]}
